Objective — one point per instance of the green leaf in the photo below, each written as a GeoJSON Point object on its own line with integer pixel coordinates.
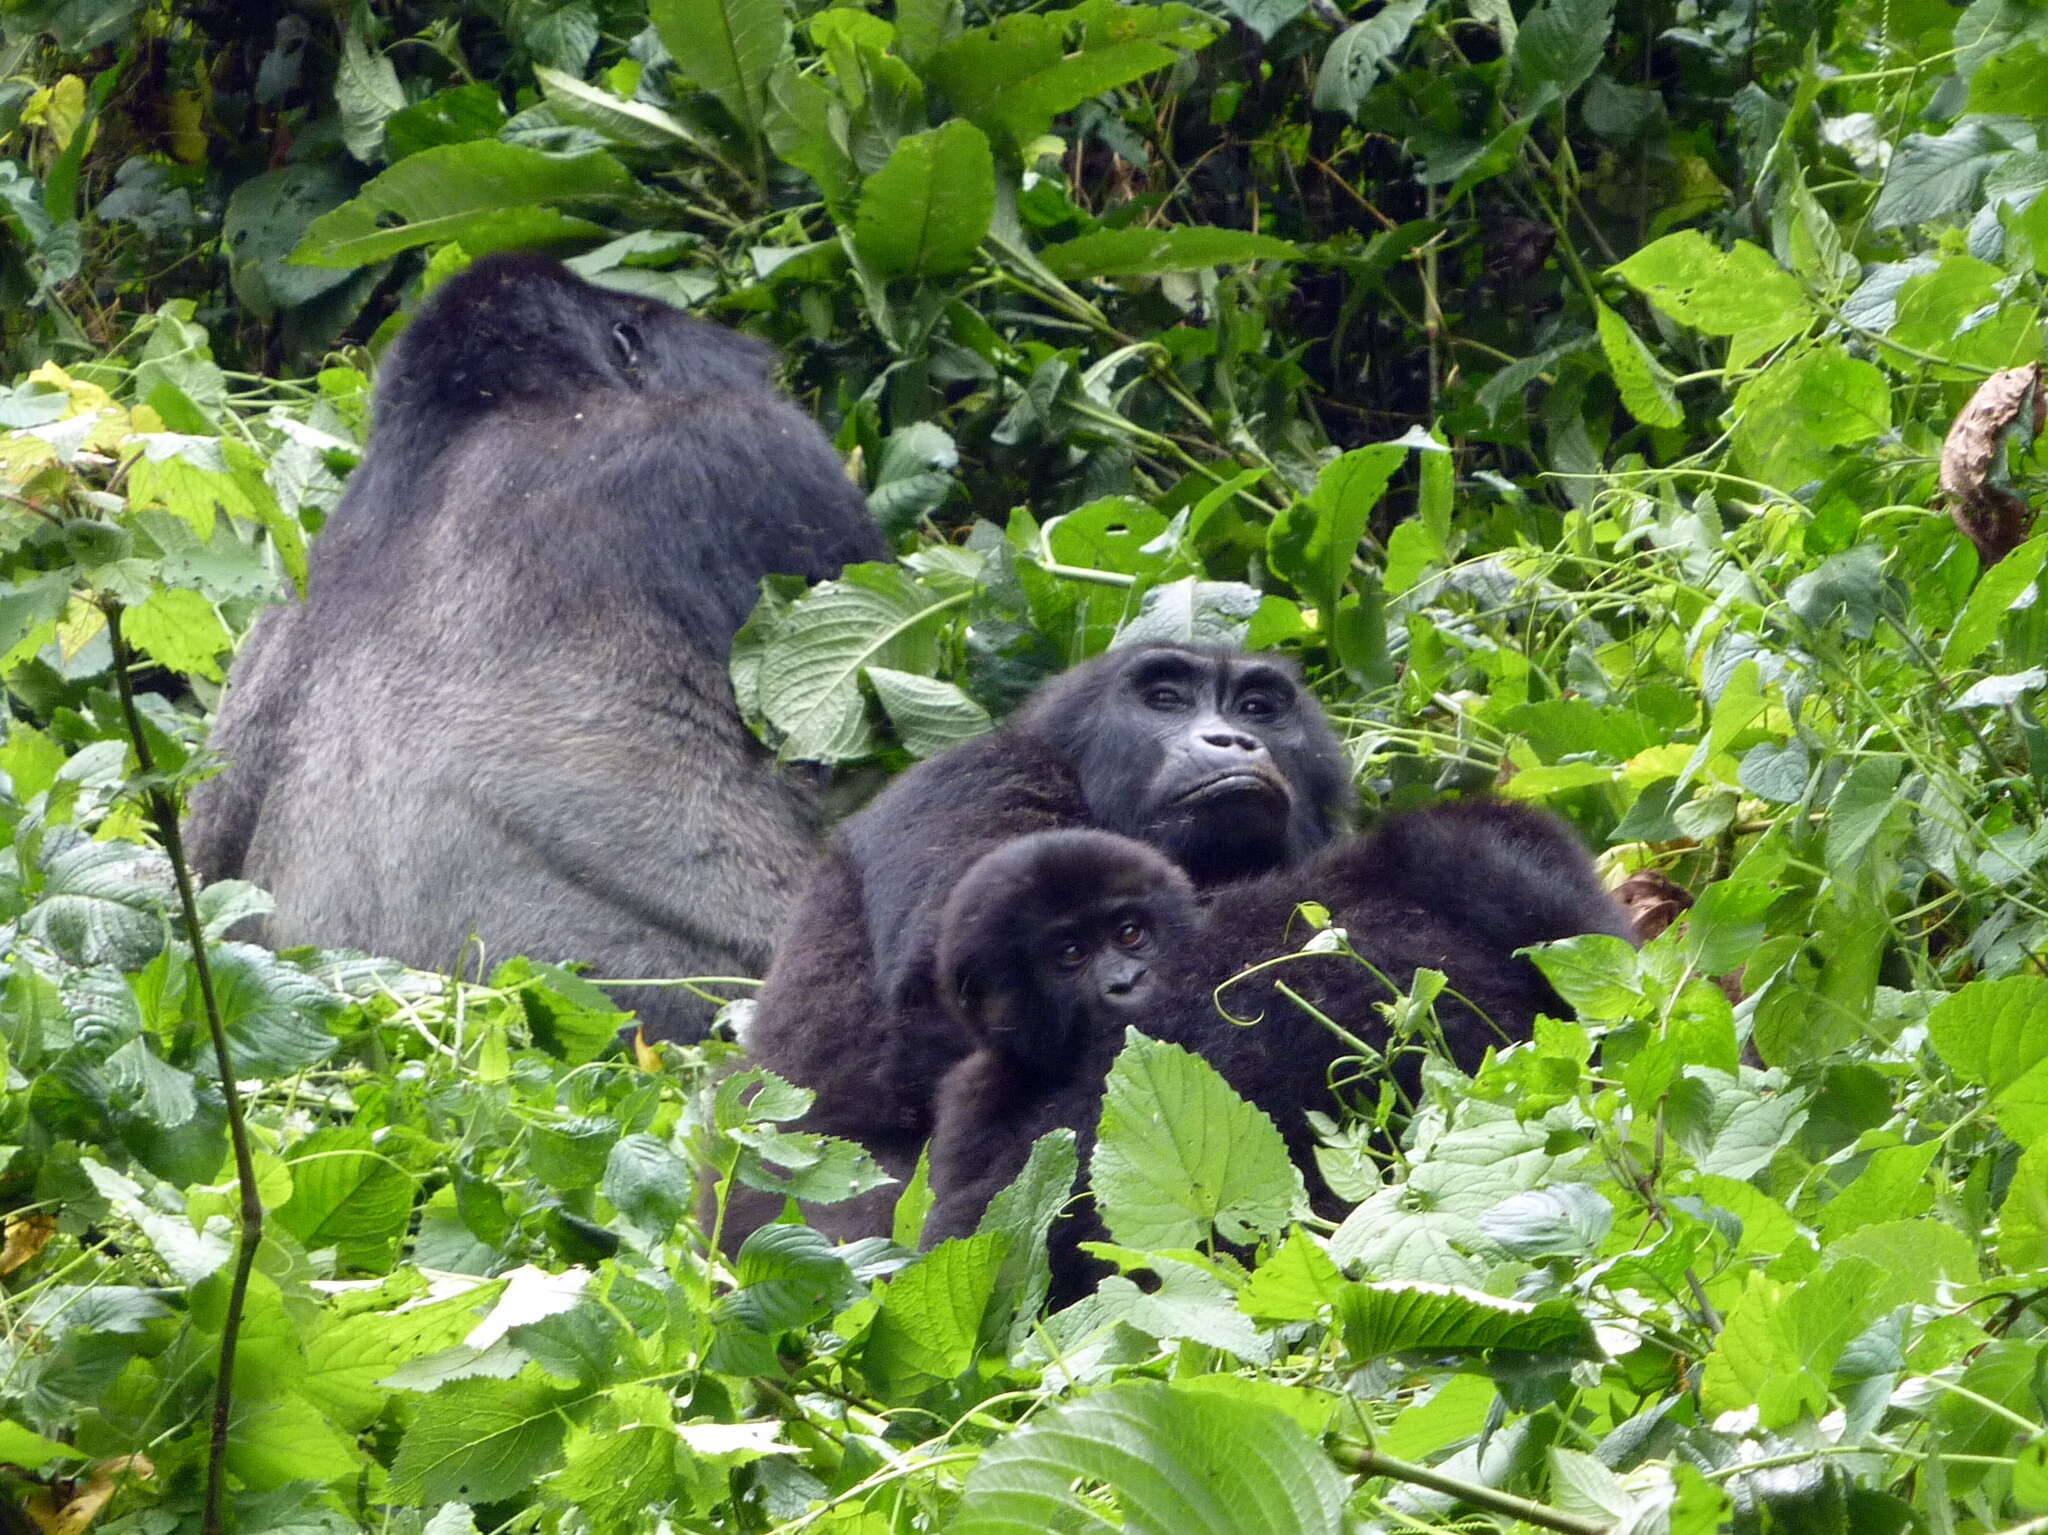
{"type": "Point", "coordinates": [1644, 383]}
{"type": "Point", "coordinates": [1933, 178]}
{"type": "Point", "coordinates": [1781, 1342]}
{"type": "Point", "coordinates": [1560, 44]}
{"type": "Point", "coordinates": [1014, 76]}
{"type": "Point", "coordinates": [1381, 1319]}
{"type": "Point", "coordinates": [31, 1451]}
{"type": "Point", "coordinates": [348, 1361]}
{"type": "Point", "coordinates": [1312, 543]}
{"type": "Point", "coordinates": [102, 903]}
{"type": "Point", "coordinates": [1720, 292]}
{"type": "Point", "coordinates": [1351, 67]}
{"type": "Point", "coordinates": [925, 213]}
{"type": "Point", "coordinates": [1023, 1213]}
{"type": "Point", "coordinates": [366, 89]}
{"type": "Point", "coordinates": [1173, 1461]}
{"type": "Point", "coordinates": [730, 47]}
{"type": "Point", "coordinates": [482, 195]}
{"type": "Point", "coordinates": [181, 630]}
{"type": "Point", "coordinates": [631, 123]}
{"type": "Point", "coordinates": [808, 675]}
{"type": "Point", "coordinates": [1193, 612]}
{"type": "Point", "coordinates": [931, 1315]}
{"type": "Point", "coordinates": [276, 1015]}
{"type": "Point", "coordinates": [346, 1193]}
{"type": "Point", "coordinates": [1860, 812]}
{"type": "Point", "coordinates": [479, 1440]}
{"type": "Point", "coordinates": [1181, 1154]}
{"type": "Point", "coordinates": [1793, 416]}
{"type": "Point", "coordinates": [1149, 252]}
{"type": "Point", "coordinates": [647, 1183]}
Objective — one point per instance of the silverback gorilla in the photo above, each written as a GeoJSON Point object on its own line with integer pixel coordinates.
{"type": "Point", "coordinates": [1219, 760]}
{"type": "Point", "coordinates": [503, 708]}
{"type": "Point", "coordinates": [1457, 888]}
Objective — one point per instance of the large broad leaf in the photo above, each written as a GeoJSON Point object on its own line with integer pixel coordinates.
{"type": "Point", "coordinates": [1933, 178]}
{"type": "Point", "coordinates": [808, 674]}
{"type": "Point", "coordinates": [924, 213]}
{"type": "Point", "coordinates": [730, 47]}
{"type": "Point", "coordinates": [102, 903]}
{"type": "Point", "coordinates": [632, 123]}
{"type": "Point", "coordinates": [1016, 75]}
{"type": "Point", "coordinates": [1313, 542]}
{"type": "Point", "coordinates": [1180, 1154]}
{"type": "Point", "coordinates": [1147, 252]}
{"type": "Point", "coordinates": [930, 1321]}
{"type": "Point", "coordinates": [1644, 383]}
{"type": "Point", "coordinates": [1352, 66]}
{"type": "Point", "coordinates": [1382, 1319]}
{"type": "Point", "coordinates": [479, 1440]}
{"type": "Point", "coordinates": [486, 195]}
{"type": "Point", "coordinates": [1793, 417]}
{"type": "Point", "coordinates": [1559, 44]}
{"type": "Point", "coordinates": [1739, 290]}
{"type": "Point", "coordinates": [1175, 1461]}
{"type": "Point", "coordinates": [928, 714]}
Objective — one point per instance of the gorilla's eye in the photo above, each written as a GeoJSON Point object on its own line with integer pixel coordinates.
{"type": "Point", "coordinates": [1129, 934]}
{"type": "Point", "coordinates": [626, 345]}
{"type": "Point", "coordinates": [1070, 954]}
{"type": "Point", "coordinates": [1161, 696]}
{"type": "Point", "coordinates": [1258, 706]}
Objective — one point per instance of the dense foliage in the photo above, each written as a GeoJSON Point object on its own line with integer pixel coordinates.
{"type": "Point", "coordinates": [1563, 385]}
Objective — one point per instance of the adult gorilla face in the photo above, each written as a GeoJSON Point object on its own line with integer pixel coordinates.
{"type": "Point", "coordinates": [1218, 759]}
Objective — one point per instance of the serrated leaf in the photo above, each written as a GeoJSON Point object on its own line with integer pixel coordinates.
{"type": "Point", "coordinates": [930, 1318]}
{"type": "Point", "coordinates": [1932, 178]}
{"type": "Point", "coordinates": [479, 1440]}
{"type": "Point", "coordinates": [647, 1183]}
{"type": "Point", "coordinates": [366, 89]}
{"type": "Point", "coordinates": [1791, 419]}
{"type": "Point", "coordinates": [1180, 1154]}
{"type": "Point", "coordinates": [276, 1015]}
{"type": "Point", "coordinates": [927, 714]}
{"type": "Point", "coordinates": [1781, 1341]}
{"type": "Point", "coordinates": [924, 214]}
{"type": "Point", "coordinates": [102, 903]}
{"type": "Point", "coordinates": [1144, 252]}
{"type": "Point", "coordinates": [348, 1361]}
{"type": "Point", "coordinates": [730, 47]}
{"type": "Point", "coordinates": [1382, 1319]}
{"type": "Point", "coordinates": [345, 1191]}
{"type": "Point", "coordinates": [1644, 383]}
{"type": "Point", "coordinates": [1173, 1461]}
{"type": "Point", "coordinates": [181, 630]}
{"type": "Point", "coordinates": [809, 676]}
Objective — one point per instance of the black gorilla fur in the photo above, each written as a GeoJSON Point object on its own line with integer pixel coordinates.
{"type": "Point", "coordinates": [1457, 888]}
{"type": "Point", "coordinates": [503, 707]}
{"type": "Point", "coordinates": [1220, 760]}
{"type": "Point", "coordinates": [1048, 948]}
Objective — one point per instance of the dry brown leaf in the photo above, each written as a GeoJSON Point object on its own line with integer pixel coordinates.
{"type": "Point", "coordinates": [26, 1236]}
{"type": "Point", "coordinates": [1996, 517]}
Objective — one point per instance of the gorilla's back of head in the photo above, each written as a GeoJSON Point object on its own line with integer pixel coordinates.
{"type": "Point", "coordinates": [519, 326]}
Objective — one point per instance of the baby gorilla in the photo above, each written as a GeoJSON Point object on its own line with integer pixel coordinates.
{"type": "Point", "coordinates": [1048, 947]}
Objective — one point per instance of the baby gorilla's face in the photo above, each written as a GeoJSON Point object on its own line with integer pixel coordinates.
{"type": "Point", "coordinates": [1059, 937]}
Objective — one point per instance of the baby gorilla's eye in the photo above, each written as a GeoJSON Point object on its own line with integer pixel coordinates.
{"type": "Point", "coordinates": [1071, 954]}
{"type": "Point", "coordinates": [1129, 935]}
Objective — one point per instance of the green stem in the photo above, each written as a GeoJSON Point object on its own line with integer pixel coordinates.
{"type": "Point", "coordinates": [1363, 1460]}
{"type": "Point", "coordinates": [163, 809]}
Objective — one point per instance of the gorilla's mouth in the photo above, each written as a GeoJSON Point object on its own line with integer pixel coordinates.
{"type": "Point", "coordinates": [1224, 785]}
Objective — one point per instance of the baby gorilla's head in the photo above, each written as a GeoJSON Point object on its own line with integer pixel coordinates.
{"type": "Point", "coordinates": [1056, 935]}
